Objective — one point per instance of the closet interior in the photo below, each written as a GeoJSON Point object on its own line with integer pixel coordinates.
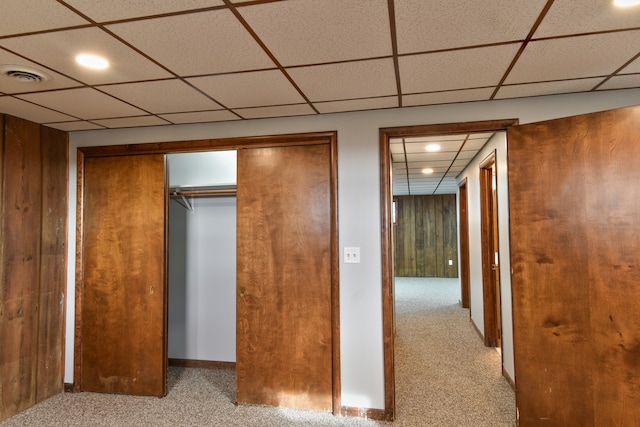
{"type": "Point", "coordinates": [202, 257]}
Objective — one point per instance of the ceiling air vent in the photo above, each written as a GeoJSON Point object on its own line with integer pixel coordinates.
{"type": "Point", "coordinates": [23, 74]}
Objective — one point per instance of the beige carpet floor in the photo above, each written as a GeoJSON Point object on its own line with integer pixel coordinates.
{"type": "Point", "coordinates": [444, 377]}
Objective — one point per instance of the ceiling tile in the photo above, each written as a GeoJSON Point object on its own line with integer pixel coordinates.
{"type": "Point", "coordinates": [431, 163]}
{"type": "Point", "coordinates": [547, 88]}
{"type": "Point", "coordinates": [621, 82]}
{"type": "Point", "coordinates": [177, 96]}
{"type": "Point", "coordinates": [277, 111]}
{"type": "Point", "coordinates": [26, 110]}
{"type": "Point", "coordinates": [475, 144]}
{"type": "Point", "coordinates": [634, 67]}
{"type": "Point", "coordinates": [466, 155]}
{"type": "Point", "coordinates": [183, 43]}
{"type": "Point", "coordinates": [445, 146]}
{"type": "Point", "coordinates": [84, 103]}
{"type": "Point", "coordinates": [258, 88]}
{"type": "Point", "coordinates": [311, 31]}
{"type": "Point", "coordinates": [435, 138]}
{"type": "Point", "coordinates": [397, 157]}
{"type": "Point", "coordinates": [9, 85]}
{"type": "Point", "coordinates": [574, 57]}
{"type": "Point", "coordinates": [360, 79]}
{"type": "Point", "coordinates": [357, 104]}
{"type": "Point", "coordinates": [103, 11]}
{"type": "Point", "coordinates": [36, 15]}
{"type": "Point", "coordinates": [432, 25]}
{"type": "Point", "coordinates": [201, 117]}
{"type": "Point", "coordinates": [74, 126]}
{"type": "Point", "coordinates": [130, 122]}
{"type": "Point", "coordinates": [396, 147]}
{"type": "Point", "coordinates": [565, 17]}
{"type": "Point", "coordinates": [425, 157]}
{"type": "Point", "coordinates": [58, 51]}
{"type": "Point", "coordinates": [460, 69]}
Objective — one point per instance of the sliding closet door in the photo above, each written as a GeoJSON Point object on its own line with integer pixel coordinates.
{"type": "Point", "coordinates": [123, 316]}
{"type": "Point", "coordinates": [283, 295]}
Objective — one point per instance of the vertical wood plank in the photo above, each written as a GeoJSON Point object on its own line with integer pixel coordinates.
{"type": "Point", "coordinates": [22, 183]}
{"type": "Point", "coordinates": [53, 263]}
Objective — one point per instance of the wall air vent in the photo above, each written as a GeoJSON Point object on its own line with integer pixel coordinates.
{"type": "Point", "coordinates": [23, 74]}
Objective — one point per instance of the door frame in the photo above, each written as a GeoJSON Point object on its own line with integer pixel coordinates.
{"type": "Point", "coordinates": [490, 270]}
{"type": "Point", "coordinates": [238, 143]}
{"type": "Point", "coordinates": [386, 228]}
{"type": "Point", "coordinates": [463, 215]}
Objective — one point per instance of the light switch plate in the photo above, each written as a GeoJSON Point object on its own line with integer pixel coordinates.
{"type": "Point", "coordinates": [351, 255]}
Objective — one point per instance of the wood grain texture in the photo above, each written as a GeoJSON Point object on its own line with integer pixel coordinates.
{"type": "Point", "coordinates": [576, 281]}
{"type": "Point", "coordinates": [425, 236]}
{"type": "Point", "coordinates": [465, 275]}
{"type": "Point", "coordinates": [21, 223]}
{"type": "Point", "coordinates": [124, 291]}
{"type": "Point", "coordinates": [284, 339]}
{"type": "Point", "coordinates": [52, 263]}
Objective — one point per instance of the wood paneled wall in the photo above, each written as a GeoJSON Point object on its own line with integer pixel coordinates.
{"type": "Point", "coordinates": [33, 228]}
{"type": "Point", "coordinates": [425, 236]}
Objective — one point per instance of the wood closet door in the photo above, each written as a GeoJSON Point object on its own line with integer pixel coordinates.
{"type": "Point", "coordinates": [284, 277]}
{"type": "Point", "coordinates": [123, 327]}
{"type": "Point", "coordinates": [574, 201]}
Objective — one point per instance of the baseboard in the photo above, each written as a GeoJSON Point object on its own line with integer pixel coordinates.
{"type": "Point", "coordinates": [190, 363]}
{"type": "Point", "coordinates": [68, 388]}
{"type": "Point", "coordinates": [510, 380]}
{"type": "Point", "coordinates": [477, 330]}
{"type": "Point", "coordinates": [373, 414]}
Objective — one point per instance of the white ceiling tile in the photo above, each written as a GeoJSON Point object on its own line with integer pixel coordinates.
{"type": "Point", "coordinates": [634, 67]}
{"type": "Point", "coordinates": [432, 25]}
{"type": "Point", "coordinates": [466, 155]}
{"type": "Point", "coordinates": [196, 43]}
{"type": "Point", "coordinates": [360, 79]}
{"type": "Point", "coordinates": [547, 88]}
{"type": "Point", "coordinates": [103, 11]}
{"type": "Point", "coordinates": [36, 15]}
{"type": "Point", "coordinates": [482, 135]}
{"type": "Point", "coordinates": [431, 163]}
{"type": "Point", "coordinates": [574, 57]}
{"type": "Point", "coordinates": [474, 144]}
{"type": "Point", "coordinates": [84, 103]}
{"type": "Point", "coordinates": [310, 31]}
{"type": "Point", "coordinates": [396, 147]}
{"type": "Point", "coordinates": [177, 96]}
{"type": "Point", "coordinates": [460, 69]}
{"type": "Point", "coordinates": [9, 85]}
{"type": "Point", "coordinates": [435, 138]}
{"type": "Point", "coordinates": [58, 51]}
{"type": "Point", "coordinates": [420, 147]}
{"type": "Point", "coordinates": [397, 157]}
{"type": "Point", "coordinates": [201, 117]}
{"type": "Point", "coordinates": [622, 82]}
{"type": "Point", "coordinates": [258, 88]}
{"type": "Point", "coordinates": [74, 126]}
{"type": "Point", "coordinates": [29, 111]}
{"type": "Point", "coordinates": [130, 122]}
{"type": "Point", "coordinates": [277, 111]}
{"type": "Point", "coordinates": [425, 157]}
{"type": "Point", "coordinates": [357, 104]}
{"type": "Point", "coordinates": [568, 17]}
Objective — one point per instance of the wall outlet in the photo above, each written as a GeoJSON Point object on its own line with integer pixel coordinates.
{"type": "Point", "coordinates": [351, 255]}
{"type": "Point", "coordinates": [450, 262]}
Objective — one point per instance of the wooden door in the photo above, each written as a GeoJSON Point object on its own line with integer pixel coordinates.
{"type": "Point", "coordinates": [465, 275]}
{"type": "Point", "coordinates": [574, 199]}
{"type": "Point", "coordinates": [490, 253]}
{"type": "Point", "coordinates": [123, 305]}
{"type": "Point", "coordinates": [284, 340]}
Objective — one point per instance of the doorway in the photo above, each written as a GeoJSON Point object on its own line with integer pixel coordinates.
{"type": "Point", "coordinates": [490, 252]}
{"type": "Point", "coordinates": [275, 151]}
{"type": "Point", "coordinates": [386, 134]}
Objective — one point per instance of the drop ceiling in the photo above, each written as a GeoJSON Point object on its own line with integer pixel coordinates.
{"type": "Point", "coordinates": [191, 61]}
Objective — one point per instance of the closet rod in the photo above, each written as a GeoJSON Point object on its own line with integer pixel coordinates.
{"type": "Point", "coordinates": [225, 192]}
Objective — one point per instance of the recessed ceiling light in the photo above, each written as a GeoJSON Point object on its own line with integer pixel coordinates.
{"type": "Point", "coordinates": [432, 148]}
{"type": "Point", "coordinates": [92, 61]}
{"type": "Point", "coordinates": [626, 3]}
{"type": "Point", "coordinates": [427, 171]}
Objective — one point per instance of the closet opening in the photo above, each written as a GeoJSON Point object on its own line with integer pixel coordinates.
{"type": "Point", "coordinates": [202, 259]}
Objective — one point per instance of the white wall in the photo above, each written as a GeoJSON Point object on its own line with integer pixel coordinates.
{"type": "Point", "coordinates": [202, 280]}
{"type": "Point", "coordinates": [361, 338]}
{"type": "Point", "coordinates": [497, 143]}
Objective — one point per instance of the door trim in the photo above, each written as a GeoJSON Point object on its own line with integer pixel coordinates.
{"type": "Point", "coordinates": [465, 281]}
{"type": "Point", "coordinates": [491, 296]}
{"type": "Point", "coordinates": [386, 228]}
{"type": "Point", "coordinates": [312, 138]}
